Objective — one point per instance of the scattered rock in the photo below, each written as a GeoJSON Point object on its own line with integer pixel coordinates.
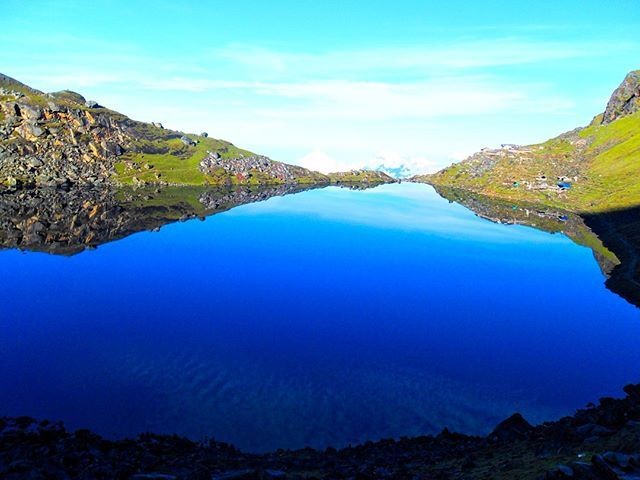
{"type": "Point", "coordinates": [30, 112]}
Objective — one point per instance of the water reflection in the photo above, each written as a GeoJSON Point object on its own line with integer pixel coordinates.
{"type": "Point", "coordinates": [67, 222]}
{"type": "Point", "coordinates": [614, 237]}
{"type": "Point", "coordinates": [324, 318]}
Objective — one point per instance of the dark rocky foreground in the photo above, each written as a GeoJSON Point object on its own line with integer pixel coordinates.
{"type": "Point", "coordinates": [599, 442]}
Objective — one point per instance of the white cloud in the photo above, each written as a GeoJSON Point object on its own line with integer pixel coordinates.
{"type": "Point", "coordinates": [432, 59]}
{"type": "Point", "coordinates": [321, 162]}
{"type": "Point", "coordinates": [420, 105]}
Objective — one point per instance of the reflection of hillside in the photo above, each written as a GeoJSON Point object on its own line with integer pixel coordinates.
{"type": "Point", "coordinates": [620, 232]}
{"type": "Point", "coordinates": [67, 222]}
{"type": "Point", "coordinates": [614, 237]}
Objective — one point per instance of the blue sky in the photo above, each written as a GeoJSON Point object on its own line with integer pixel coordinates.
{"type": "Point", "coordinates": [334, 85]}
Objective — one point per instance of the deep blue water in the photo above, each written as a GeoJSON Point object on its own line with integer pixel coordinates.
{"type": "Point", "coordinates": [322, 318]}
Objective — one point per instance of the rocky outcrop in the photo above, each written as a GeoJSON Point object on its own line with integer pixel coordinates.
{"type": "Point", "coordinates": [599, 442]}
{"type": "Point", "coordinates": [256, 166]}
{"type": "Point", "coordinates": [625, 100]}
{"type": "Point", "coordinates": [362, 177]}
{"type": "Point", "coordinates": [60, 138]}
{"type": "Point", "coordinates": [56, 144]}
{"type": "Point", "coordinates": [513, 428]}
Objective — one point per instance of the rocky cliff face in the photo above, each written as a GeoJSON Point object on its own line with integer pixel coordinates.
{"type": "Point", "coordinates": [625, 100]}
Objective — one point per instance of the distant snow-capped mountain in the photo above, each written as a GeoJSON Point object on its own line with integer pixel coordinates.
{"type": "Point", "coordinates": [396, 171]}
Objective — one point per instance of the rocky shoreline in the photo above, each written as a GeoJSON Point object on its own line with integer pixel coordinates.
{"type": "Point", "coordinates": [599, 442]}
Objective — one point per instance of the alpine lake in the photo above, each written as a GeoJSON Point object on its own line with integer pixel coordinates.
{"type": "Point", "coordinates": [281, 317]}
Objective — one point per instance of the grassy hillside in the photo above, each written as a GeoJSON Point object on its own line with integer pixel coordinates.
{"type": "Point", "coordinates": [175, 162]}
{"type": "Point", "coordinates": [600, 165]}
{"type": "Point", "coordinates": [613, 164]}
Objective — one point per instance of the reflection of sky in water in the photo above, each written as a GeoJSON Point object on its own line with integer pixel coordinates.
{"type": "Point", "coordinates": [326, 317]}
{"type": "Point", "coordinates": [393, 207]}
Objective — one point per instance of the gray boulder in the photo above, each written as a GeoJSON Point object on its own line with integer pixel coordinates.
{"type": "Point", "coordinates": [29, 112]}
{"type": "Point", "coordinates": [35, 162]}
{"type": "Point", "coordinates": [187, 141]}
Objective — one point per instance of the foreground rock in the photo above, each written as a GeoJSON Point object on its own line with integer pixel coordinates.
{"type": "Point", "coordinates": [600, 442]}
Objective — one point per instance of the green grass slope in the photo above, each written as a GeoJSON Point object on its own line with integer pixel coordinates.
{"type": "Point", "coordinates": [169, 160]}
{"type": "Point", "coordinates": [601, 162]}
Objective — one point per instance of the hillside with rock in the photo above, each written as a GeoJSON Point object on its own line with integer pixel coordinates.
{"type": "Point", "coordinates": [590, 169]}
{"type": "Point", "coordinates": [361, 176]}
{"type": "Point", "coordinates": [61, 138]}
